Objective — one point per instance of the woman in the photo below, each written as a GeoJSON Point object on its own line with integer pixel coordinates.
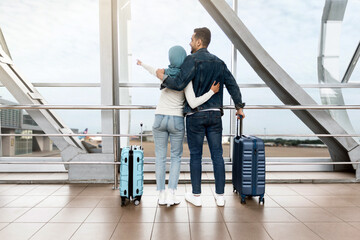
{"type": "Point", "coordinates": [169, 122]}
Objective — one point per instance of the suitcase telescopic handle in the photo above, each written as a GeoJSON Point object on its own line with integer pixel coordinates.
{"type": "Point", "coordinates": [141, 134]}
{"type": "Point", "coordinates": [239, 122]}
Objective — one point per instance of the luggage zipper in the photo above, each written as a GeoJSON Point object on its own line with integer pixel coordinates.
{"type": "Point", "coordinates": [131, 170]}
{"type": "Point", "coordinates": [255, 170]}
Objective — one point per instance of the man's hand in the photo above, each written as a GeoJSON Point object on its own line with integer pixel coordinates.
{"type": "Point", "coordinates": [240, 112]}
{"type": "Point", "coordinates": [138, 62]}
{"type": "Point", "coordinates": [160, 73]}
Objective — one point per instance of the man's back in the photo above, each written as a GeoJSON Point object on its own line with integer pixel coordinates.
{"type": "Point", "coordinates": [203, 68]}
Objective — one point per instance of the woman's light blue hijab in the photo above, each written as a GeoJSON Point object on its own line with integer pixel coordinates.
{"type": "Point", "coordinates": [177, 55]}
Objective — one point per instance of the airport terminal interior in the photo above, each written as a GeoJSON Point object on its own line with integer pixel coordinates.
{"type": "Point", "coordinates": [73, 99]}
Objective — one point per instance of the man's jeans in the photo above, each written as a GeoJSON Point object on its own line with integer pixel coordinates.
{"type": "Point", "coordinates": [165, 126]}
{"type": "Point", "coordinates": [198, 125]}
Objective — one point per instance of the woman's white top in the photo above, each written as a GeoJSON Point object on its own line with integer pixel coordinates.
{"type": "Point", "coordinates": [171, 102]}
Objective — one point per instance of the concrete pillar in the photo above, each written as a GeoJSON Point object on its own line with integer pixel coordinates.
{"type": "Point", "coordinates": [8, 144]}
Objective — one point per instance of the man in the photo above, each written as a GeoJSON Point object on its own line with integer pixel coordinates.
{"type": "Point", "coordinates": [202, 68]}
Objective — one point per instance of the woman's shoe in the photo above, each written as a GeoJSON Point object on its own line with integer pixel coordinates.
{"type": "Point", "coordinates": [162, 198]}
{"type": "Point", "coordinates": [171, 198]}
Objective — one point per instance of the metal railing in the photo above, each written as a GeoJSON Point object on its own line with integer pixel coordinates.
{"type": "Point", "coordinates": [157, 85]}
{"type": "Point", "coordinates": [151, 107]}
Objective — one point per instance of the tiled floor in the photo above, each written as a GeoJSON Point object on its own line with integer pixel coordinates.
{"type": "Point", "coordinates": [82, 211]}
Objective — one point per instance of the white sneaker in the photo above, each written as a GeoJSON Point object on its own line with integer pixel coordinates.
{"type": "Point", "coordinates": [162, 198]}
{"type": "Point", "coordinates": [171, 198]}
{"type": "Point", "coordinates": [220, 200]}
{"type": "Point", "coordinates": [193, 200]}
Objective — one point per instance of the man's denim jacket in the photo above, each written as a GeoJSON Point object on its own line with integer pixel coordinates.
{"type": "Point", "coordinates": [203, 68]}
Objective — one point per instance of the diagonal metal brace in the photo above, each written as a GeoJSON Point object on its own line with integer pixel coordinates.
{"type": "Point", "coordinates": [285, 88]}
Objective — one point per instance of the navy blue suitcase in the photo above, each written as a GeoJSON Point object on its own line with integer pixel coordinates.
{"type": "Point", "coordinates": [248, 171]}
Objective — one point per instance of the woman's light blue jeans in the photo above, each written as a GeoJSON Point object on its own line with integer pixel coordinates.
{"type": "Point", "coordinates": [166, 126]}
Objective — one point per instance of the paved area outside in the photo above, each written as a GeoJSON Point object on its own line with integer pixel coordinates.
{"type": "Point", "coordinates": [89, 211]}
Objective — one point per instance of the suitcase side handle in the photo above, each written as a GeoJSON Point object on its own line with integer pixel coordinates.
{"type": "Point", "coordinates": [239, 122]}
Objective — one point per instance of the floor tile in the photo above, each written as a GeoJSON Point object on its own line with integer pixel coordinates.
{"type": "Point", "coordinates": [58, 231]}
{"type": "Point", "coordinates": [11, 214]}
{"type": "Point", "coordinates": [43, 190]}
{"type": "Point", "coordinates": [3, 225]}
{"type": "Point", "coordinates": [275, 215]}
{"type": "Point", "coordinates": [55, 201]}
{"type": "Point", "coordinates": [100, 191]}
{"type": "Point", "coordinates": [340, 190]}
{"type": "Point", "coordinates": [335, 231]}
{"type": "Point", "coordinates": [235, 201]}
{"type": "Point", "coordinates": [110, 201]}
{"type": "Point", "coordinates": [173, 231]}
{"type": "Point", "coordinates": [355, 224]}
{"type": "Point", "coordinates": [209, 231]}
{"type": "Point", "coordinates": [38, 215]}
{"type": "Point", "coordinates": [137, 215]}
{"type": "Point", "coordinates": [330, 201]}
{"type": "Point", "coordinates": [247, 231]}
{"type": "Point", "coordinates": [69, 190]}
{"type": "Point", "coordinates": [202, 215]}
{"type": "Point", "coordinates": [4, 187]}
{"type": "Point", "coordinates": [280, 191]}
{"type": "Point", "coordinates": [254, 202]}
{"type": "Point", "coordinates": [148, 201]}
{"type": "Point", "coordinates": [20, 231]}
{"type": "Point", "coordinates": [311, 190]}
{"type": "Point", "coordinates": [172, 214]}
{"type": "Point", "coordinates": [84, 201]}
{"type": "Point", "coordinates": [4, 200]}
{"type": "Point", "coordinates": [297, 231]}
{"type": "Point", "coordinates": [72, 215]}
{"type": "Point", "coordinates": [348, 214]}
{"type": "Point", "coordinates": [104, 215]}
{"type": "Point", "coordinates": [293, 201]}
{"type": "Point", "coordinates": [240, 215]}
{"type": "Point", "coordinates": [139, 231]}
{"type": "Point", "coordinates": [313, 215]}
{"type": "Point", "coordinates": [26, 201]}
{"type": "Point", "coordinates": [18, 190]}
{"type": "Point", "coordinates": [94, 231]}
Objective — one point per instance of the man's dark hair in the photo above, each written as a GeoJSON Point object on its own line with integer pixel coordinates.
{"type": "Point", "coordinates": [204, 35]}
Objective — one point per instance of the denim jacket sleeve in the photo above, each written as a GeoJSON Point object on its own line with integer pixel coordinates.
{"type": "Point", "coordinates": [186, 74]}
{"type": "Point", "coordinates": [233, 88]}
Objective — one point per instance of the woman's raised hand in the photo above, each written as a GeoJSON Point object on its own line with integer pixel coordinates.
{"type": "Point", "coordinates": [138, 62]}
{"type": "Point", "coordinates": [215, 87]}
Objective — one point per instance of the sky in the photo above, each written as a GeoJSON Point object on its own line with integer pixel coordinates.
{"type": "Point", "coordinates": [58, 41]}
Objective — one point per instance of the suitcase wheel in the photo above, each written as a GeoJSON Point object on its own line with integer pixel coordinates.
{"type": "Point", "coordinates": [123, 201]}
{"type": "Point", "coordinates": [261, 199]}
{"type": "Point", "coordinates": [137, 200]}
{"type": "Point", "coordinates": [234, 190]}
{"type": "Point", "coordinates": [243, 201]}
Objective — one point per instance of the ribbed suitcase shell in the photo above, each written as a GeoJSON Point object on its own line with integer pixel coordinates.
{"type": "Point", "coordinates": [248, 173]}
{"type": "Point", "coordinates": [132, 172]}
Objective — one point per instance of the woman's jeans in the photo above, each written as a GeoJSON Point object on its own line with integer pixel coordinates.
{"type": "Point", "coordinates": [199, 125]}
{"type": "Point", "coordinates": [166, 126]}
